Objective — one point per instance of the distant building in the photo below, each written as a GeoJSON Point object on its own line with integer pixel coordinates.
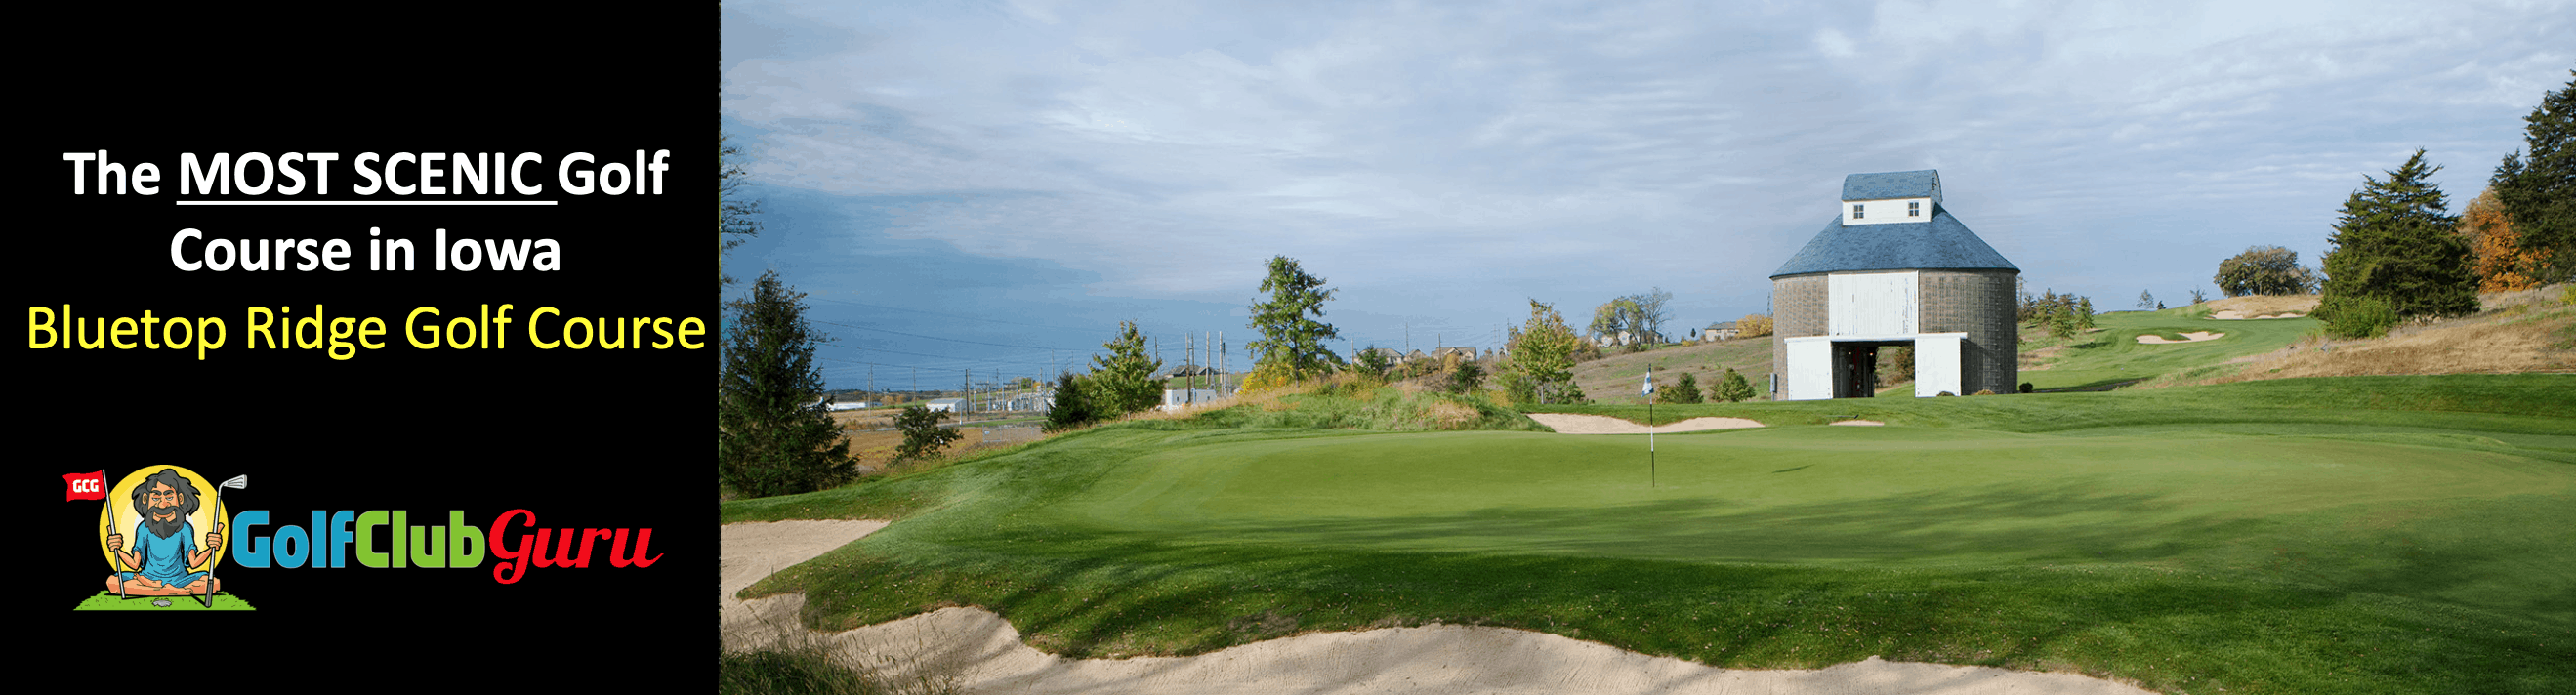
{"type": "Point", "coordinates": [1175, 399]}
{"type": "Point", "coordinates": [1893, 269]}
{"type": "Point", "coordinates": [945, 405]}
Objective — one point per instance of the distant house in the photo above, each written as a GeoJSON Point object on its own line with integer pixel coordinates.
{"type": "Point", "coordinates": [1176, 399]}
{"type": "Point", "coordinates": [945, 405]}
{"type": "Point", "coordinates": [1721, 331]}
{"type": "Point", "coordinates": [1391, 355]}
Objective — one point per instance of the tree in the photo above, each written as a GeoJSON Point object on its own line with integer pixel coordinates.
{"type": "Point", "coordinates": [1540, 365]}
{"type": "Point", "coordinates": [2146, 300]}
{"type": "Point", "coordinates": [733, 212]}
{"type": "Point", "coordinates": [2198, 296]}
{"type": "Point", "coordinates": [1291, 341]}
{"type": "Point", "coordinates": [2499, 259]}
{"type": "Point", "coordinates": [2084, 313]}
{"type": "Point", "coordinates": [1650, 313]}
{"type": "Point", "coordinates": [1466, 378]}
{"type": "Point", "coordinates": [1685, 391]}
{"type": "Point", "coordinates": [2265, 270]}
{"type": "Point", "coordinates": [1073, 403]}
{"type": "Point", "coordinates": [1753, 326]}
{"type": "Point", "coordinates": [1372, 361]}
{"type": "Point", "coordinates": [2394, 243]}
{"type": "Point", "coordinates": [1613, 317]}
{"type": "Point", "coordinates": [1732, 387]}
{"type": "Point", "coordinates": [922, 435]}
{"type": "Point", "coordinates": [1123, 381]}
{"type": "Point", "coordinates": [2537, 186]}
{"type": "Point", "coordinates": [774, 432]}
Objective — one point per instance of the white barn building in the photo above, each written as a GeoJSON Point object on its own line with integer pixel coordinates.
{"type": "Point", "coordinates": [1893, 269]}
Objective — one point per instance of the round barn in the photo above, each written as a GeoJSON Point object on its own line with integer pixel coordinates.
{"type": "Point", "coordinates": [1893, 269]}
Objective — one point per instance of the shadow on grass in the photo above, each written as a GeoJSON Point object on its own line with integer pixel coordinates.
{"type": "Point", "coordinates": [2013, 598]}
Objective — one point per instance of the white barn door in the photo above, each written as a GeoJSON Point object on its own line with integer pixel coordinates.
{"type": "Point", "coordinates": [1874, 304]}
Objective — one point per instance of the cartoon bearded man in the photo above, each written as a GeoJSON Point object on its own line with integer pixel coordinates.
{"type": "Point", "coordinates": [164, 549]}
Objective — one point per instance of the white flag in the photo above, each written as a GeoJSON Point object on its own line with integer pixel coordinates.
{"type": "Point", "coordinates": [1650, 381]}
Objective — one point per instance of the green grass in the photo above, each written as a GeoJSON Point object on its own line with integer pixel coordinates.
{"type": "Point", "coordinates": [109, 601]}
{"type": "Point", "coordinates": [2316, 535]}
{"type": "Point", "coordinates": [2114, 355]}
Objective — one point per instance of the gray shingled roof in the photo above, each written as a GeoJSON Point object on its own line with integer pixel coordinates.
{"type": "Point", "coordinates": [1942, 243]}
{"type": "Point", "coordinates": [1893, 184]}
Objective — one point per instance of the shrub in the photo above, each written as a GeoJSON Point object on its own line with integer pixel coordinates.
{"type": "Point", "coordinates": [1467, 378]}
{"type": "Point", "coordinates": [2025, 387]}
{"type": "Point", "coordinates": [2356, 316]}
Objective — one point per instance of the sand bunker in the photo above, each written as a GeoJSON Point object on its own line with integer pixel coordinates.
{"type": "Point", "coordinates": [984, 653]}
{"type": "Point", "coordinates": [2192, 337]}
{"type": "Point", "coordinates": [2234, 315]}
{"type": "Point", "coordinates": [1860, 423]}
{"type": "Point", "coordinates": [1598, 424]}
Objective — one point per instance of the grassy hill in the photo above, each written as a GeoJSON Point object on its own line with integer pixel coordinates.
{"type": "Point", "coordinates": [2383, 534]}
{"type": "Point", "coordinates": [2515, 332]}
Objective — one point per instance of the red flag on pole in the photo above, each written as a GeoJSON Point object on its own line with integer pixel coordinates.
{"type": "Point", "coordinates": [85, 486]}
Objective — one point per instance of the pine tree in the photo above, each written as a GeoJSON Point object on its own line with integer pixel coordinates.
{"type": "Point", "coordinates": [2538, 186]}
{"type": "Point", "coordinates": [2394, 244]}
{"type": "Point", "coordinates": [1683, 391]}
{"type": "Point", "coordinates": [922, 435]}
{"type": "Point", "coordinates": [774, 432]}
{"type": "Point", "coordinates": [1123, 381]}
{"type": "Point", "coordinates": [733, 212]}
{"type": "Point", "coordinates": [1733, 387]}
{"type": "Point", "coordinates": [1291, 341]}
{"type": "Point", "coordinates": [1073, 403]}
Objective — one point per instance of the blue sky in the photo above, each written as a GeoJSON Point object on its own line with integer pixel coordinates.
{"type": "Point", "coordinates": [993, 186]}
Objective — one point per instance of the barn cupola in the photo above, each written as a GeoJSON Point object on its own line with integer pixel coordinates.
{"type": "Point", "coordinates": [1892, 197]}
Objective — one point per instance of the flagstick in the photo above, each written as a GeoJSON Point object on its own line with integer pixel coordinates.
{"type": "Point", "coordinates": [219, 559]}
{"type": "Point", "coordinates": [112, 564]}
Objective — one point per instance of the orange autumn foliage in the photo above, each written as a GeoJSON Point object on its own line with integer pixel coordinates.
{"type": "Point", "coordinates": [2502, 264]}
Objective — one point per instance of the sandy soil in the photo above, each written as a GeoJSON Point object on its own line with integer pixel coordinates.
{"type": "Point", "coordinates": [2192, 337]}
{"type": "Point", "coordinates": [985, 654]}
{"type": "Point", "coordinates": [1565, 423]}
{"type": "Point", "coordinates": [1862, 423]}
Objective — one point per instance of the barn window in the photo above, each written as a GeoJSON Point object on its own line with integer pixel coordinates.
{"type": "Point", "coordinates": [1855, 211]}
{"type": "Point", "coordinates": [1913, 208]}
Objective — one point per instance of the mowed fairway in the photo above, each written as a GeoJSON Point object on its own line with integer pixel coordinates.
{"type": "Point", "coordinates": [2272, 549]}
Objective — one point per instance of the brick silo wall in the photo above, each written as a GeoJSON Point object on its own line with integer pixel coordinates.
{"type": "Point", "coordinates": [1980, 304]}
{"type": "Point", "coordinates": [1797, 309]}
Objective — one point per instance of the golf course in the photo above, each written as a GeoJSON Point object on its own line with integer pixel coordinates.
{"type": "Point", "coordinates": [2358, 534]}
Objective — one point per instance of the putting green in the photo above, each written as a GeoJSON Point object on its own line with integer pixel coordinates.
{"type": "Point", "coordinates": [106, 601]}
{"type": "Point", "coordinates": [2333, 535]}
{"type": "Point", "coordinates": [1891, 496]}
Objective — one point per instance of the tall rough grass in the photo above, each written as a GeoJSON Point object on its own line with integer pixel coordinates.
{"type": "Point", "coordinates": [1349, 401]}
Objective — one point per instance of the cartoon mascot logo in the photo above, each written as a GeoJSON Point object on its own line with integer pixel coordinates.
{"type": "Point", "coordinates": [162, 530]}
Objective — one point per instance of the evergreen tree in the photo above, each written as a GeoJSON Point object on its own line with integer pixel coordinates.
{"type": "Point", "coordinates": [2147, 300]}
{"type": "Point", "coordinates": [2538, 186]}
{"type": "Point", "coordinates": [733, 212]}
{"type": "Point", "coordinates": [774, 431]}
{"type": "Point", "coordinates": [2084, 313]}
{"type": "Point", "coordinates": [1073, 403]}
{"type": "Point", "coordinates": [1291, 341]}
{"type": "Point", "coordinates": [1733, 387]}
{"type": "Point", "coordinates": [922, 435]}
{"type": "Point", "coordinates": [2394, 243]}
{"type": "Point", "coordinates": [1685, 391]}
{"type": "Point", "coordinates": [1123, 381]}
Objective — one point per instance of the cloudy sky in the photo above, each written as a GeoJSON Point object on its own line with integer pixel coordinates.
{"type": "Point", "coordinates": [993, 186]}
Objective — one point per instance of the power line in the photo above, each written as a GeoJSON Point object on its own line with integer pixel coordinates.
{"type": "Point", "coordinates": [933, 337]}
{"type": "Point", "coordinates": [952, 316]}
